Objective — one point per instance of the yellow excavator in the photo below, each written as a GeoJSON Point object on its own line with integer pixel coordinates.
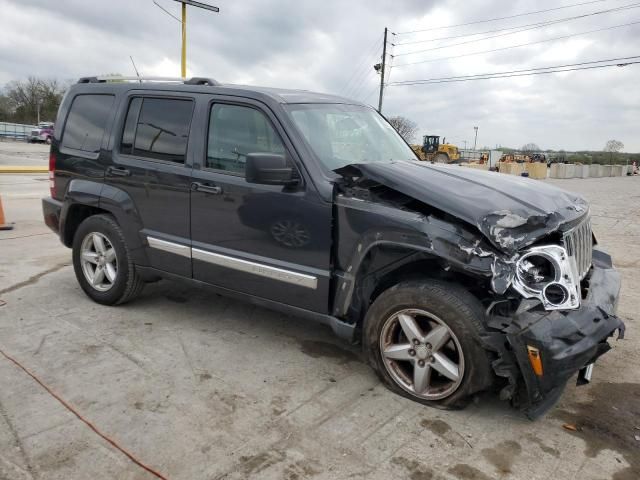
{"type": "Point", "coordinates": [432, 150]}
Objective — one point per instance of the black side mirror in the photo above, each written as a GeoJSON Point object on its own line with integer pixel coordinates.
{"type": "Point", "coordinates": [269, 169]}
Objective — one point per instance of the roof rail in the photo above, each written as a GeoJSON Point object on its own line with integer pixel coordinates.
{"type": "Point", "coordinates": [117, 78]}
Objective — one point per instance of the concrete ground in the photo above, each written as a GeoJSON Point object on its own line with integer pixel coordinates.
{"type": "Point", "coordinates": [202, 387]}
{"type": "Point", "coordinates": [23, 153]}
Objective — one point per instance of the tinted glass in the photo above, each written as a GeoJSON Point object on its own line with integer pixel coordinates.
{"type": "Point", "coordinates": [234, 132]}
{"type": "Point", "coordinates": [86, 121]}
{"type": "Point", "coordinates": [163, 129]}
{"type": "Point", "coordinates": [129, 131]}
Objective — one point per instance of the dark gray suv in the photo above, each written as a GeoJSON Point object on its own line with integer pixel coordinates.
{"type": "Point", "coordinates": [453, 280]}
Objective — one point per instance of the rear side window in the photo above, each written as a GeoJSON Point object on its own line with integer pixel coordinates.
{"type": "Point", "coordinates": [86, 122]}
{"type": "Point", "coordinates": [157, 128]}
{"type": "Point", "coordinates": [235, 131]}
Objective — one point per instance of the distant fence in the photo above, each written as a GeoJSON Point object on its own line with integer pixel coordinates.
{"type": "Point", "coordinates": [15, 131]}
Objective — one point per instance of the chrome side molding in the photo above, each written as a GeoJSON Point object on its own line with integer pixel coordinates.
{"type": "Point", "coordinates": [260, 269]}
{"type": "Point", "coordinates": [176, 248]}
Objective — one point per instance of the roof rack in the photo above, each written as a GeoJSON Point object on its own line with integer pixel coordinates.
{"type": "Point", "coordinates": [116, 78]}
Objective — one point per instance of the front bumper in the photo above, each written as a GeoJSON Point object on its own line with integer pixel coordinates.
{"type": "Point", "coordinates": [568, 340]}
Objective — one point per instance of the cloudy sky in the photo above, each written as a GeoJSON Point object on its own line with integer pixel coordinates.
{"type": "Point", "coordinates": [331, 45]}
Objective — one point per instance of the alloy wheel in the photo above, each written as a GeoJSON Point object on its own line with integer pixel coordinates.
{"type": "Point", "coordinates": [99, 261]}
{"type": "Point", "coordinates": [422, 354]}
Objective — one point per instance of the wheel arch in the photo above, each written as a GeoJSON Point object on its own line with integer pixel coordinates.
{"type": "Point", "coordinates": [385, 264]}
{"type": "Point", "coordinates": [87, 198]}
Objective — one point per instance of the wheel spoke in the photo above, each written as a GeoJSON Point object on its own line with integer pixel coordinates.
{"type": "Point", "coordinates": [410, 327]}
{"type": "Point", "coordinates": [110, 272]}
{"type": "Point", "coordinates": [91, 257]}
{"type": "Point", "coordinates": [438, 337]}
{"type": "Point", "coordinates": [98, 244]}
{"type": "Point", "coordinates": [98, 276]}
{"type": "Point", "coordinates": [398, 352]}
{"type": "Point", "coordinates": [446, 367]}
{"type": "Point", "coordinates": [421, 378]}
{"type": "Point", "coordinates": [110, 255]}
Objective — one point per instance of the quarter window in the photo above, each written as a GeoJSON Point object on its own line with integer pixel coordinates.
{"type": "Point", "coordinates": [157, 128]}
{"type": "Point", "coordinates": [86, 122]}
{"type": "Point", "coordinates": [235, 131]}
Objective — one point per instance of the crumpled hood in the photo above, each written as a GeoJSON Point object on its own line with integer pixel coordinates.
{"type": "Point", "coordinates": [510, 211]}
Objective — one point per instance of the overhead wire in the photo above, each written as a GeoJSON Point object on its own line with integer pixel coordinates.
{"type": "Point", "coordinates": [501, 18]}
{"type": "Point", "coordinates": [361, 66]}
{"type": "Point", "coordinates": [570, 67]}
{"type": "Point", "coordinates": [523, 29]}
{"type": "Point", "coordinates": [518, 46]}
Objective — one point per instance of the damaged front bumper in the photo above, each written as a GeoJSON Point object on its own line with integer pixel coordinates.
{"type": "Point", "coordinates": [567, 340]}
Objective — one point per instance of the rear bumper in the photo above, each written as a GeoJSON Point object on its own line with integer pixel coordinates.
{"type": "Point", "coordinates": [567, 340]}
{"type": "Point", "coordinates": [51, 209]}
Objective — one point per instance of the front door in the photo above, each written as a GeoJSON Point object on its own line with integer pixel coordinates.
{"type": "Point", "coordinates": [268, 241]}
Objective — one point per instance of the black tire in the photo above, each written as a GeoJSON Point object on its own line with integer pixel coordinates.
{"type": "Point", "coordinates": [460, 311]}
{"type": "Point", "coordinates": [48, 141]}
{"type": "Point", "coordinates": [128, 284]}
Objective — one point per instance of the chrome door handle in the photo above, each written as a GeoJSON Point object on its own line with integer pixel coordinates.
{"type": "Point", "coordinates": [119, 171]}
{"type": "Point", "coordinates": [202, 187]}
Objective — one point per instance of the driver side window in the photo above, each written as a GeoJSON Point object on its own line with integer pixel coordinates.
{"type": "Point", "coordinates": [234, 132]}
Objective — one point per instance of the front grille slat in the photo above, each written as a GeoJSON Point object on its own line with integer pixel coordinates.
{"type": "Point", "coordinates": [579, 244]}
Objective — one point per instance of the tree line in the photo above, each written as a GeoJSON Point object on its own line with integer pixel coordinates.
{"type": "Point", "coordinates": [31, 100]}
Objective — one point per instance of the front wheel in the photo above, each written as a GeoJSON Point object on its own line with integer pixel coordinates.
{"type": "Point", "coordinates": [422, 339]}
{"type": "Point", "coordinates": [442, 158]}
{"type": "Point", "coordinates": [102, 262]}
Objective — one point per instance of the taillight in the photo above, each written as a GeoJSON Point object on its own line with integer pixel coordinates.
{"type": "Point", "coordinates": [52, 174]}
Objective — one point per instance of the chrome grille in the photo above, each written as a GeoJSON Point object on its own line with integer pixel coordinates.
{"type": "Point", "coordinates": [579, 244]}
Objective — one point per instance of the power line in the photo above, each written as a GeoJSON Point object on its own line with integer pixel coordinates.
{"type": "Point", "coordinates": [501, 18]}
{"type": "Point", "coordinates": [517, 46]}
{"type": "Point", "coordinates": [522, 29]}
{"type": "Point", "coordinates": [363, 64]}
{"type": "Point", "coordinates": [609, 62]}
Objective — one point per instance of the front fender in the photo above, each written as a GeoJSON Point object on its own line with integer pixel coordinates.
{"type": "Point", "coordinates": [364, 226]}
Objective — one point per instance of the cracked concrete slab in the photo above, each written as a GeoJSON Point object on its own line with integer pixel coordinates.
{"type": "Point", "coordinates": [200, 386]}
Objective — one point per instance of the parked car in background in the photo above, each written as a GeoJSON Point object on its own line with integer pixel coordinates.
{"type": "Point", "coordinates": [44, 133]}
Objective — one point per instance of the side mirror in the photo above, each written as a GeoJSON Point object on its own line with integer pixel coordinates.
{"type": "Point", "coordinates": [268, 169]}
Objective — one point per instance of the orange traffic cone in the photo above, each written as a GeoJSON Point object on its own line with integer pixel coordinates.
{"type": "Point", "coordinates": [3, 225]}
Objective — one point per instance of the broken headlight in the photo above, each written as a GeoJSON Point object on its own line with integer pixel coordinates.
{"type": "Point", "coordinates": [549, 274]}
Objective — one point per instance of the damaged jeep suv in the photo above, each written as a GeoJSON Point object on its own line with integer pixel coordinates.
{"type": "Point", "coordinates": [453, 280]}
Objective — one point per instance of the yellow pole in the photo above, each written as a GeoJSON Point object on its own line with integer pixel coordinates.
{"type": "Point", "coordinates": [183, 62]}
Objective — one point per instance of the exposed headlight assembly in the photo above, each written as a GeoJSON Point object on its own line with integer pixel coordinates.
{"type": "Point", "coordinates": [549, 274]}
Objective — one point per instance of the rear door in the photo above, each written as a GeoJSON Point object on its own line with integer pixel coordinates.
{"type": "Point", "coordinates": [268, 241]}
{"type": "Point", "coordinates": [151, 163]}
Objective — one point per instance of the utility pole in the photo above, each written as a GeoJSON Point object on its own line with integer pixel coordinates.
{"type": "Point", "coordinates": [382, 65]}
{"type": "Point", "coordinates": [476, 139]}
{"type": "Point", "coordinates": [183, 21]}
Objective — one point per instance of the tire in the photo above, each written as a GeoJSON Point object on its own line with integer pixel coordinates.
{"type": "Point", "coordinates": [113, 289]}
{"type": "Point", "coordinates": [432, 304]}
{"type": "Point", "coordinates": [441, 158]}
{"type": "Point", "coordinates": [48, 141]}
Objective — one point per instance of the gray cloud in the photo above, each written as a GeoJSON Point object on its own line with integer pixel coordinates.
{"type": "Point", "coordinates": [329, 46]}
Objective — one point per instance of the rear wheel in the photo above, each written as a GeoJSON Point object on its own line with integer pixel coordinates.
{"type": "Point", "coordinates": [422, 338]}
{"type": "Point", "coordinates": [442, 158]}
{"type": "Point", "coordinates": [102, 262]}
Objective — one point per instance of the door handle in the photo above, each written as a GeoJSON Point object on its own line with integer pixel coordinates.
{"type": "Point", "coordinates": [119, 171]}
{"type": "Point", "coordinates": [202, 187]}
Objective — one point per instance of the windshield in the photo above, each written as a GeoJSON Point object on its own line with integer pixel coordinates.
{"type": "Point", "coordinates": [344, 134]}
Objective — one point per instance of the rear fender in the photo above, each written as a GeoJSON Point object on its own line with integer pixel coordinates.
{"type": "Point", "coordinates": [107, 199]}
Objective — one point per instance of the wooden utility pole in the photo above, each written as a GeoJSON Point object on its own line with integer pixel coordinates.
{"type": "Point", "coordinates": [384, 62]}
